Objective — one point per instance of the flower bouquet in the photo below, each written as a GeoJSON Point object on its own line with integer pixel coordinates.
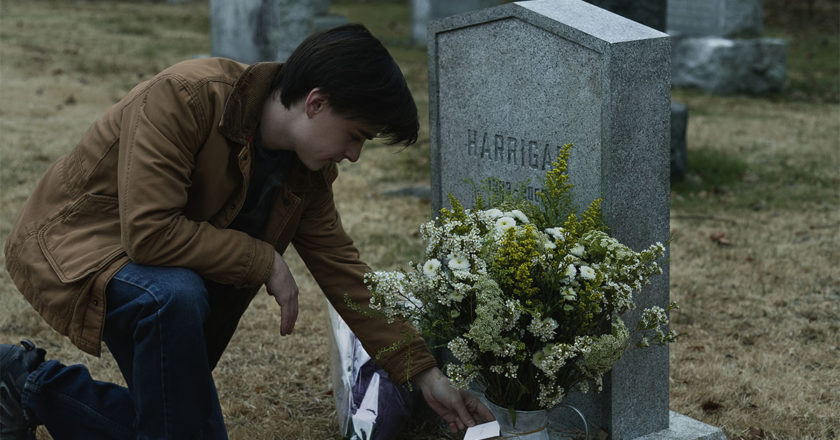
{"type": "Point", "coordinates": [527, 296]}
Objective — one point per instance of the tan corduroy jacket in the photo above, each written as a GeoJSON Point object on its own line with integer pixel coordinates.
{"type": "Point", "coordinates": [156, 181]}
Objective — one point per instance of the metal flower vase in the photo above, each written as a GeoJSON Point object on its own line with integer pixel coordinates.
{"type": "Point", "coordinates": [521, 425]}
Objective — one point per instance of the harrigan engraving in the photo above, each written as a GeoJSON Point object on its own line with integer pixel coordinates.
{"type": "Point", "coordinates": [512, 150]}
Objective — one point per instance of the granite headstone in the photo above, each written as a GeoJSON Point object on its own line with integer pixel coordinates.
{"type": "Point", "coordinates": [511, 84]}
{"type": "Point", "coordinates": [265, 30]}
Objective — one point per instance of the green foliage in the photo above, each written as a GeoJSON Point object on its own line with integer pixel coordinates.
{"type": "Point", "coordinates": [512, 264]}
{"type": "Point", "coordinates": [556, 198]}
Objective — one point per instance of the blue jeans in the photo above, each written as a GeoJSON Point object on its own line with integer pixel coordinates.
{"type": "Point", "coordinates": [155, 316]}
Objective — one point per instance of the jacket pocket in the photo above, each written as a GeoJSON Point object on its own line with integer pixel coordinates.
{"type": "Point", "coordinates": [83, 239]}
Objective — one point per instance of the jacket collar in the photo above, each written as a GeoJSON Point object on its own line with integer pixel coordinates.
{"type": "Point", "coordinates": [244, 105]}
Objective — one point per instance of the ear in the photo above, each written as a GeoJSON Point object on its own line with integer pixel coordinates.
{"type": "Point", "coordinates": [316, 102]}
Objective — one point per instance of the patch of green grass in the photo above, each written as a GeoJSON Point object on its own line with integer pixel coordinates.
{"type": "Point", "coordinates": [710, 171]}
{"type": "Point", "coordinates": [407, 165]}
{"type": "Point", "coordinates": [812, 31]}
{"type": "Point", "coordinates": [813, 64]}
{"type": "Point", "coordinates": [718, 181]}
{"type": "Point", "coordinates": [390, 249]}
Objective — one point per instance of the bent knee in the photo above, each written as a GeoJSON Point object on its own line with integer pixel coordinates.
{"type": "Point", "coordinates": [170, 289]}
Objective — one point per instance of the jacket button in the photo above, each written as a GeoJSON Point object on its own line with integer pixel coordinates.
{"type": "Point", "coordinates": [96, 302]}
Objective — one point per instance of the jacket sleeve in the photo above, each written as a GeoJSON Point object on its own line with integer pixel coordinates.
{"type": "Point", "coordinates": [334, 262]}
{"type": "Point", "coordinates": [161, 130]}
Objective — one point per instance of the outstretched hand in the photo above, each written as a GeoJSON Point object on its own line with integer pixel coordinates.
{"type": "Point", "coordinates": [281, 285]}
{"type": "Point", "coordinates": [459, 408]}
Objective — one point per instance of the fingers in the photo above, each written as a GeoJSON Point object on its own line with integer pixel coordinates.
{"type": "Point", "coordinates": [450, 407]}
{"type": "Point", "coordinates": [287, 299]}
{"type": "Point", "coordinates": [288, 315]}
{"type": "Point", "coordinates": [441, 409]}
{"type": "Point", "coordinates": [478, 410]}
{"type": "Point", "coordinates": [464, 417]}
{"type": "Point", "coordinates": [281, 285]}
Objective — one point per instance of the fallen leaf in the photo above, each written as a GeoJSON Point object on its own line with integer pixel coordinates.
{"type": "Point", "coordinates": [719, 237]}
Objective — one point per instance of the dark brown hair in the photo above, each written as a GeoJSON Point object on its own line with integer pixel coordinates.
{"type": "Point", "coordinates": [358, 74]}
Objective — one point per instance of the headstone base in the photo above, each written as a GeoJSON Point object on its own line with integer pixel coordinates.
{"type": "Point", "coordinates": [681, 427]}
{"type": "Point", "coordinates": [726, 66]}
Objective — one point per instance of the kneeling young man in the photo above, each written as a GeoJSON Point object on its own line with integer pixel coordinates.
{"type": "Point", "coordinates": [176, 206]}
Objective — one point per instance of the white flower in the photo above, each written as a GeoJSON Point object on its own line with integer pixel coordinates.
{"type": "Point", "coordinates": [557, 233]}
{"type": "Point", "coordinates": [550, 246]}
{"type": "Point", "coordinates": [504, 223]}
{"type": "Point", "coordinates": [520, 216]}
{"type": "Point", "coordinates": [460, 348]}
{"type": "Point", "coordinates": [458, 262]}
{"type": "Point", "coordinates": [431, 267]}
{"type": "Point", "coordinates": [578, 250]}
{"type": "Point", "coordinates": [571, 271]}
{"type": "Point", "coordinates": [587, 273]}
{"type": "Point", "coordinates": [494, 213]}
{"type": "Point", "coordinates": [542, 328]}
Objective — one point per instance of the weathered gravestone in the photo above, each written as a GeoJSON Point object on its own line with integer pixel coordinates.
{"type": "Point", "coordinates": [322, 18]}
{"type": "Point", "coordinates": [507, 87]}
{"type": "Point", "coordinates": [265, 30]}
{"type": "Point", "coordinates": [718, 47]}
{"type": "Point", "coordinates": [424, 11]}
{"type": "Point", "coordinates": [721, 18]}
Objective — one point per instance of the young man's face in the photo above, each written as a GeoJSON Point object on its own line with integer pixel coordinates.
{"type": "Point", "coordinates": [316, 132]}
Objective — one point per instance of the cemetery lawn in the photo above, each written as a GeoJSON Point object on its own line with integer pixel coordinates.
{"type": "Point", "coordinates": [754, 260]}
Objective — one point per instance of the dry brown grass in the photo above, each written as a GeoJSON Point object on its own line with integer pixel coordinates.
{"type": "Point", "coordinates": [760, 353]}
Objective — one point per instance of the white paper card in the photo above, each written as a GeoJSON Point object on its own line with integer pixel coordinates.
{"type": "Point", "coordinates": [485, 430]}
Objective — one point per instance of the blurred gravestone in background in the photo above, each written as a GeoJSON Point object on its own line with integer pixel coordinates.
{"type": "Point", "coordinates": [424, 11]}
{"type": "Point", "coordinates": [718, 47]}
{"type": "Point", "coordinates": [322, 18]}
{"type": "Point", "coordinates": [653, 13]}
{"type": "Point", "coordinates": [265, 30]}
{"type": "Point", "coordinates": [721, 18]}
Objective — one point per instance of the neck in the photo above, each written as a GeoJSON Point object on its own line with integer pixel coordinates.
{"type": "Point", "coordinates": [276, 125]}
